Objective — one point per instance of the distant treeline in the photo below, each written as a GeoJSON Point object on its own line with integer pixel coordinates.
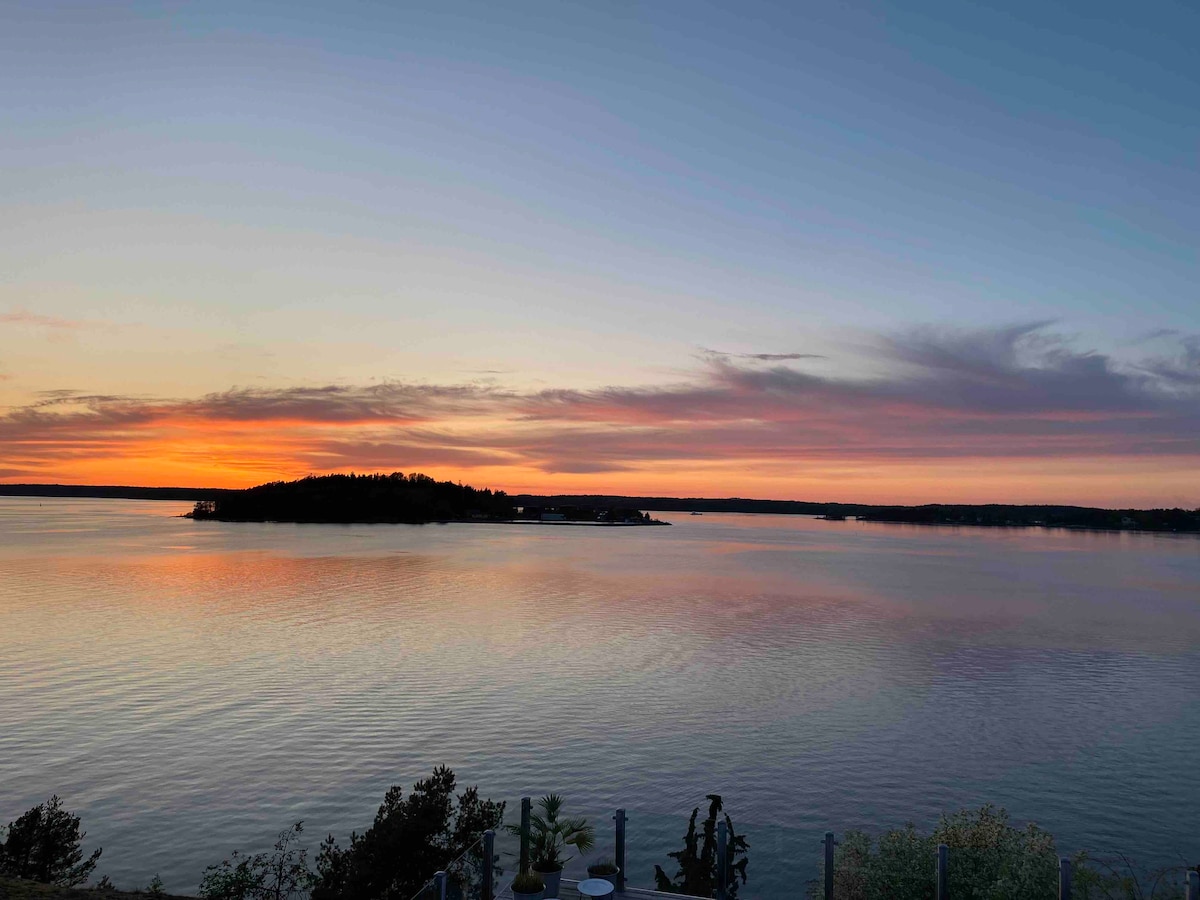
{"type": "Point", "coordinates": [1050, 516]}
{"type": "Point", "coordinates": [110, 491]}
{"type": "Point", "coordinates": [396, 498]}
{"type": "Point", "coordinates": [688, 504]}
{"type": "Point", "coordinates": [993, 514]}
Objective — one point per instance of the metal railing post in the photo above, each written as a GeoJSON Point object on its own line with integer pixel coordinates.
{"type": "Point", "coordinates": [488, 889]}
{"type": "Point", "coordinates": [1064, 878]}
{"type": "Point", "coordinates": [1193, 885]}
{"type": "Point", "coordinates": [943, 855]}
{"type": "Point", "coordinates": [526, 809]}
{"type": "Point", "coordinates": [439, 878]}
{"type": "Point", "coordinates": [830, 843]}
{"type": "Point", "coordinates": [619, 818]}
{"type": "Point", "coordinates": [722, 860]}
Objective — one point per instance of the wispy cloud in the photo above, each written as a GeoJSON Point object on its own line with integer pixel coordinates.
{"type": "Point", "coordinates": [25, 317]}
{"type": "Point", "coordinates": [1023, 392]}
{"type": "Point", "coordinates": [1181, 368]}
{"type": "Point", "coordinates": [763, 357]}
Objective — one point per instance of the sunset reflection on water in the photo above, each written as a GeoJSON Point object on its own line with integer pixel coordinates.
{"type": "Point", "coordinates": [189, 687]}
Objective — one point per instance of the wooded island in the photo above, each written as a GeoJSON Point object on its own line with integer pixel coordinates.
{"type": "Point", "coordinates": [396, 498]}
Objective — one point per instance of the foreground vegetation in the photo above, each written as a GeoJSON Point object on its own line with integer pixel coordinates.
{"type": "Point", "coordinates": [20, 889]}
{"type": "Point", "coordinates": [436, 827]}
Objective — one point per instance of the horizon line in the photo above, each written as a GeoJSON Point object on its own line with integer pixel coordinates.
{"type": "Point", "coordinates": [5, 487]}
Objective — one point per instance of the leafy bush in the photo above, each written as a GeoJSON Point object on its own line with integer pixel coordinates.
{"type": "Point", "coordinates": [989, 860]}
{"type": "Point", "coordinates": [279, 875]}
{"type": "Point", "coordinates": [45, 845]}
{"type": "Point", "coordinates": [412, 837]}
{"type": "Point", "coordinates": [697, 872]}
{"type": "Point", "coordinates": [1117, 878]}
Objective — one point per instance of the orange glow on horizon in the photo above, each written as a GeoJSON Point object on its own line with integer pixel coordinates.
{"type": "Point", "coordinates": [732, 433]}
{"type": "Point", "coordinates": [1107, 482]}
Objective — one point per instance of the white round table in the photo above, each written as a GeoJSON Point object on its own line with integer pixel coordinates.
{"type": "Point", "coordinates": [594, 888]}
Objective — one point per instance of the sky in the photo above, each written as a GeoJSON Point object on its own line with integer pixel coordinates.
{"type": "Point", "coordinates": [922, 252]}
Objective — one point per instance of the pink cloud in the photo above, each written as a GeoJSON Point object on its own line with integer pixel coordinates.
{"type": "Point", "coordinates": [1020, 392]}
{"type": "Point", "coordinates": [25, 317]}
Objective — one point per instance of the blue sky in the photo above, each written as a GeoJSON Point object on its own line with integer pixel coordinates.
{"type": "Point", "coordinates": [577, 195]}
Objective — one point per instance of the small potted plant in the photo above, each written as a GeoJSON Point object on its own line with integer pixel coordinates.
{"type": "Point", "coordinates": [528, 886]}
{"type": "Point", "coordinates": [605, 868]}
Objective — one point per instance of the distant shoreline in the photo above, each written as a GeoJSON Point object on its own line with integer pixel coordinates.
{"type": "Point", "coordinates": [992, 515]}
{"type": "Point", "coordinates": [656, 522]}
{"type": "Point", "coordinates": [553, 524]}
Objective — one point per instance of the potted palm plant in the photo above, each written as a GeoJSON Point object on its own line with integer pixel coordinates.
{"type": "Point", "coordinates": [549, 836]}
{"type": "Point", "coordinates": [528, 886]}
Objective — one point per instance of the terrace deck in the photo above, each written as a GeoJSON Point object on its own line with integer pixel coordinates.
{"type": "Point", "coordinates": [568, 890]}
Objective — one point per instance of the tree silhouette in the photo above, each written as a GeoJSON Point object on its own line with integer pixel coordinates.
{"type": "Point", "coordinates": [397, 498]}
{"type": "Point", "coordinates": [412, 838]}
{"type": "Point", "coordinates": [697, 861]}
{"type": "Point", "coordinates": [45, 845]}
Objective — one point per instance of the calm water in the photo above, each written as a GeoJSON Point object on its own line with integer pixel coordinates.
{"type": "Point", "coordinates": [191, 688]}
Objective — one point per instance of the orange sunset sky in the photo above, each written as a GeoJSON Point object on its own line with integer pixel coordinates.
{"type": "Point", "coordinates": [846, 257]}
{"type": "Point", "coordinates": [954, 416]}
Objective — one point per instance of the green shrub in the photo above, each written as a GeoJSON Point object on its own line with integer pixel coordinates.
{"type": "Point", "coordinates": [989, 860]}
{"type": "Point", "coordinates": [278, 875]}
{"type": "Point", "coordinates": [1117, 878]}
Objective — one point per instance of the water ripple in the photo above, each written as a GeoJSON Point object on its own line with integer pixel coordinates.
{"type": "Point", "coordinates": [192, 687]}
